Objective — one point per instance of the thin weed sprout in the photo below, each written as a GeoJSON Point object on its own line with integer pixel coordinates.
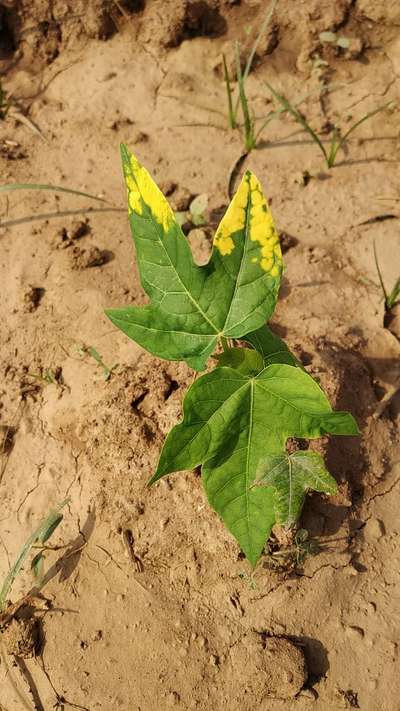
{"type": "Point", "coordinates": [39, 537]}
{"type": "Point", "coordinates": [250, 133]}
{"type": "Point", "coordinates": [11, 187]}
{"type": "Point", "coordinates": [250, 126]}
{"type": "Point", "coordinates": [338, 139]}
{"type": "Point", "coordinates": [391, 298]}
{"type": "Point", "coordinates": [93, 353]}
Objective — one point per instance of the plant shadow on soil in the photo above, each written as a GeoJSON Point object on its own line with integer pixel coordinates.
{"type": "Point", "coordinates": [346, 457]}
{"type": "Point", "coordinates": [69, 560]}
{"type": "Point", "coordinates": [316, 657]}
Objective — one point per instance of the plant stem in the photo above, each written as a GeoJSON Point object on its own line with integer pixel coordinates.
{"type": "Point", "coordinates": [42, 533]}
{"type": "Point", "coordinates": [340, 142]}
{"type": "Point", "coordinates": [224, 343]}
{"type": "Point", "coordinates": [231, 112]}
{"type": "Point", "coordinates": [248, 123]}
{"type": "Point", "coordinates": [299, 118]}
{"type": "Point", "coordinates": [252, 54]}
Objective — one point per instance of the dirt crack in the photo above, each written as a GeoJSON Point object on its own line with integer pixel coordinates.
{"type": "Point", "coordinates": [379, 494]}
{"type": "Point", "coordinates": [30, 491]}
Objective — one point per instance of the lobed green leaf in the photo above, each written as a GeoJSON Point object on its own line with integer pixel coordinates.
{"type": "Point", "coordinates": [191, 307]}
{"type": "Point", "coordinates": [231, 419]}
{"type": "Point", "coordinates": [291, 476]}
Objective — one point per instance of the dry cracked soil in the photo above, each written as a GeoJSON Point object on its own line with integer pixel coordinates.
{"type": "Point", "coordinates": [149, 603]}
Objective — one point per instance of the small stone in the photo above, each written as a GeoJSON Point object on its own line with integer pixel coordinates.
{"type": "Point", "coordinates": [139, 137]}
{"type": "Point", "coordinates": [301, 178]}
{"type": "Point", "coordinates": [181, 199]}
{"type": "Point", "coordinates": [77, 230]}
{"type": "Point", "coordinates": [374, 529]}
{"type": "Point", "coordinates": [200, 245]}
{"type": "Point", "coordinates": [168, 187]}
{"type": "Point", "coordinates": [355, 47]}
{"type": "Point", "coordinates": [91, 257]}
{"type": "Point", "coordinates": [213, 660]}
{"type": "Point", "coordinates": [173, 698]}
{"type": "Point", "coordinates": [32, 298]}
{"type": "Point", "coordinates": [20, 638]}
{"type": "Point", "coordinates": [310, 694]}
{"type": "Point", "coordinates": [355, 633]}
{"type": "Point", "coordinates": [276, 660]}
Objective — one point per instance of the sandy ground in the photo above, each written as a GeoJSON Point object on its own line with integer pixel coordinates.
{"type": "Point", "coordinates": [179, 619]}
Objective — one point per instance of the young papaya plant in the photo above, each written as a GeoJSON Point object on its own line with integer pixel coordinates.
{"type": "Point", "coordinates": [238, 416]}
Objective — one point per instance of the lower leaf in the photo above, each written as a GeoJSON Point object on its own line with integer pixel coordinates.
{"type": "Point", "coordinates": [289, 477]}
{"type": "Point", "coordinates": [248, 513]}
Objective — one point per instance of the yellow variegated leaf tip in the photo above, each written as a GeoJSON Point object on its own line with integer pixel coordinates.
{"type": "Point", "coordinates": [250, 204]}
{"type": "Point", "coordinates": [263, 230]}
{"type": "Point", "coordinates": [142, 191]}
{"type": "Point", "coordinates": [234, 219]}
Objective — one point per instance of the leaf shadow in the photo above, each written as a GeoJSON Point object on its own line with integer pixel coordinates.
{"type": "Point", "coordinates": [68, 562]}
{"type": "Point", "coordinates": [316, 657]}
{"type": "Point", "coordinates": [346, 457]}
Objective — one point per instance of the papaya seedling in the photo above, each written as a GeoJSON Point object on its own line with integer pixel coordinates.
{"type": "Point", "coordinates": [237, 417]}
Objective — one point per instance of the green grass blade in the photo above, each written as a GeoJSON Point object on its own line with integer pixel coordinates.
{"type": "Point", "coordinates": [41, 534]}
{"type": "Point", "coordinates": [231, 112]}
{"type": "Point", "coordinates": [394, 295]}
{"type": "Point", "coordinates": [257, 41]}
{"type": "Point", "coordinates": [248, 125]}
{"type": "Point", "coordinates": [263, 27]}
{"type": "Point", "coordinates": [335, 145]}
{"type": "Point", "coordinates": [44, 186]}
{"type": "Point", "coordinates": [271, 116]}
{"type": "Point", "coordinates": [299, 118]}
{"type": "Point", "coordinates": [276, 114]}
{"type": "Point", "coordinates": [364, 118]}
{"type": "Point", "coordinates": [380, 275]}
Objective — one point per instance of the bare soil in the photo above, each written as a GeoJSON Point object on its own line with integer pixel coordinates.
{"type": "Point", "coordinates": [150, 604]}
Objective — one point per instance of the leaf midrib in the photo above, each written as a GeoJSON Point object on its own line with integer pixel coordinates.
{"type": "Point", "coordinates": [195, 303]}
{"type": "Point", "coordinates": [207, 423]}
{"type": "Point", "coordinates": [237, 280]}
{"type": "Point", "coordinates": [242, 261]}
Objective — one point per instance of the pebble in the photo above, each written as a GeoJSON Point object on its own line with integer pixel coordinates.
{"type": "Point", "coordinates": [310, 694]}
{"type": "Point", "coordinates": [354, 632]}
{"type": "Point", "coordinates": [373, 530]}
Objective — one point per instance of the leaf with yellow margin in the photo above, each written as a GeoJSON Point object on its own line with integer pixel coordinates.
{"type": "Point", "coordinates": [191, 307]}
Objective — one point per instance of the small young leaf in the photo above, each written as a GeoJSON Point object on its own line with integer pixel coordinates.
{"type": "Point", "coordinates": [37, 566]}
{"type": "Point", "coordinates": [197, 209]}
{"type": "Point", "coordinates": [41, 534]}
{"type": "Point", "coordinates": [52, 523]}
{"type": "Point", "coordinates": [271, 347]}
{"type": "Point", "coordinates": [327, 37]}
{"type": "Point", "coordinates": [343, 42]}
{"type": "Point", "coordinates": [231, 419]}
{"type": "Point", "coordinates": [192, 307]}
{"type": "Point", "coordinates": [181, 218]}
{"type": "Point", "coordinates": [245, 361]}
{"type": "Point", "coordinates": [291, 476]}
